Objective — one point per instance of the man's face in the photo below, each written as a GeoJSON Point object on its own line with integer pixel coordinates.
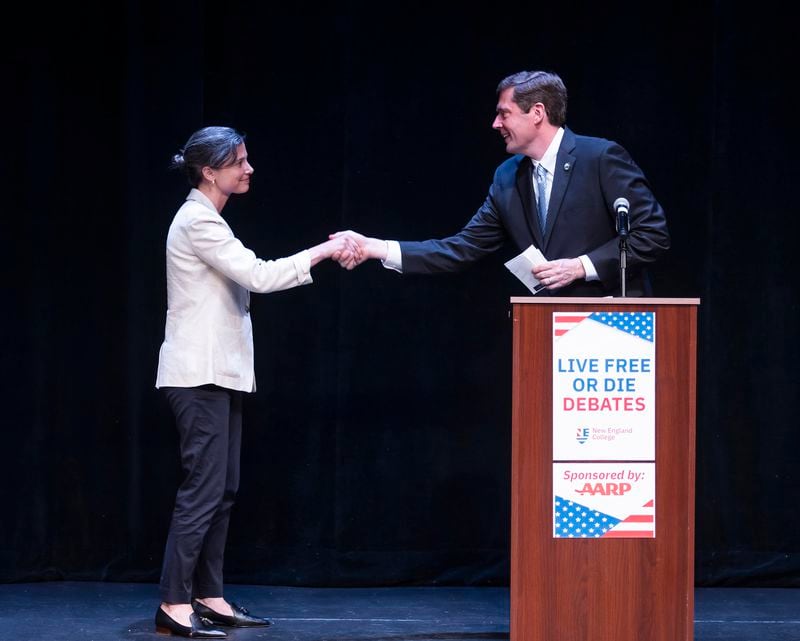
{"type": "Point", "coordinates": [517, 128]}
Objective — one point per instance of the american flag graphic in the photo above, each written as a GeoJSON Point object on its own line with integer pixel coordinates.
{"type": "Point", "coordinates": [575, 521]}
{"type": "Point", "coordinates": [563, 322]}
{"type": "Point", "coordinates": [639, 324]}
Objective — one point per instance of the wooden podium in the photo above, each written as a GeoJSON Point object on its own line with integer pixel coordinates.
{"type": "Point", "coordinates": [587, 589]}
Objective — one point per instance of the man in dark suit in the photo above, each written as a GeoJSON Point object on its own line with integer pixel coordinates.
{"type": "Point", "coordinates": [557, 192]}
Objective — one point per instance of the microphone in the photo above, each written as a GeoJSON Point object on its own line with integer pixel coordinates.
{"type": "Point", "coordinates": [621, 207]}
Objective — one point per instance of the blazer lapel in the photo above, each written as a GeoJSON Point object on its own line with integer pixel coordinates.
{"type": "Point", "coordinates": [525, 191]}
{"type": "Point", "coordinates": [565, 163]}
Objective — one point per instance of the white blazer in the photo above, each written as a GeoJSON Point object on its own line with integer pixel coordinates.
{"type": "Point", "coordinates": [208, 336]}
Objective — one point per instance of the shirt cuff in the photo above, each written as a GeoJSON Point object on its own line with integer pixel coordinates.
{"type": "Point", "coordinates": [588, 267]}
{"type": "Point", "coordinates": [394, 257]}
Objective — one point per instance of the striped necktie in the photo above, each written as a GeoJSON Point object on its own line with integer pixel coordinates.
{"type": "Point", "coordinates": [541, 200]}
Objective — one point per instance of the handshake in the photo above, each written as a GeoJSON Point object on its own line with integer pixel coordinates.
{"type": "Point", "coordinates": [349, 249]}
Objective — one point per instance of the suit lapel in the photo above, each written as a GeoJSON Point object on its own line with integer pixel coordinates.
{"type": "Point", "coordinates": [525, 191]}
{"type": "Point", "coordinates": [565, 163]}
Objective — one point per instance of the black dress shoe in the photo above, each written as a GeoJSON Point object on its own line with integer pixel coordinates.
{"type": "Point", "coordinates": [240, 618]}
{"type": "Point", "coordinates": [200, 628]}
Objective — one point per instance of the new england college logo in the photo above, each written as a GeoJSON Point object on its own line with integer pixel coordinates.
{"type": "Point", "coordinates": [582, 435]}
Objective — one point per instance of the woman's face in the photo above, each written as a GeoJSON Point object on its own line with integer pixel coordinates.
{"type": "Point", "coordinates": [234, 178]}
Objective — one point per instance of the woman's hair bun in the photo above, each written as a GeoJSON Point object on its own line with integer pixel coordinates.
{"type": "Point", "coordinates": [178, 161]}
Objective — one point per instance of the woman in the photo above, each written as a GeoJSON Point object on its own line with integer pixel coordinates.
{"type": "Point", "coordinates": [205, 365]}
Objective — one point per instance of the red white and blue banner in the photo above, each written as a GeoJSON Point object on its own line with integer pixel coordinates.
{"type": "Point", "coordinates": [604, 410]}
{"type": "Point", "coordinates": [604, 500]}
{"type": "Point", "coordinates": [604, 386]}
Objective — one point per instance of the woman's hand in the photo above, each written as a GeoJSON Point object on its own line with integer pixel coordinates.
{"type": "Point", "coordinates": [343, 249]}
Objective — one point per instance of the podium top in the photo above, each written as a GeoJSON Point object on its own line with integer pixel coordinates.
{"type": "Point", "coordinates": [606, 300]}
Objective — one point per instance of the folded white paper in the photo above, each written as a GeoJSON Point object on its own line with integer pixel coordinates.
{"type": "Point", "coordinates": [521, 267]}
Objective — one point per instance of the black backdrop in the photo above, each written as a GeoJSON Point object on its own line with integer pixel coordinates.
{"type": "Point", "coordinates": [377, 447]}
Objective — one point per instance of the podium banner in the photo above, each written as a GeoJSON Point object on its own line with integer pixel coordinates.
{"type": "Point", "coordinates": [604, 386]}
{"type": "Point", "coordinates": [604, 500]}
{"type": "Point", "coordinates": [604, 410]}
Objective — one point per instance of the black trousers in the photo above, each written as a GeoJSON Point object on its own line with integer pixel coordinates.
{"type": "Point", "coordinates": [209, 421]}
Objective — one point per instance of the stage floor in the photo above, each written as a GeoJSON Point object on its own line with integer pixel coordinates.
{"type": "Point", "coordinates": [76, 611]}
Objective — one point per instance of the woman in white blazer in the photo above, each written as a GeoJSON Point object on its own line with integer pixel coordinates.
{"type": "Point", "coordinates": [205, 365]}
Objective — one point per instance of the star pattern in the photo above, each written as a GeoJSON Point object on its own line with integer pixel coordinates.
{"type": "Point", "coordinates": [576, 521]}
{"type": "Point", "coordinates": [639, 324]}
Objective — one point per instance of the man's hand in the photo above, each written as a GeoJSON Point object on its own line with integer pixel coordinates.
{"type": "Point", "coordinates": [556, 274]}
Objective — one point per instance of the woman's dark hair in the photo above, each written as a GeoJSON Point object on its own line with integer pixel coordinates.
{"type": "Point", "coordinates": [531, 87]}
{"type": "Point", "coordinates": [213, 147]}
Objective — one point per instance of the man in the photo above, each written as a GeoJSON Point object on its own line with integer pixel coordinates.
{"type": "Point", "coordinates": [557, 193]}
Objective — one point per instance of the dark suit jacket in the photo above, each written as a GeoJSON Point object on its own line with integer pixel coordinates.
{"type": "Point", "coordinates": [591, 173]}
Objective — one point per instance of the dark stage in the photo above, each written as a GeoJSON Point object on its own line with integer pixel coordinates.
{"type": "Point", "coordinates": [67, 611]}
{"type": "Point", "coordinates": [377, 450]}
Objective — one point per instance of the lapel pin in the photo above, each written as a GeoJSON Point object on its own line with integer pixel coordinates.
{"type": "Point", "coordinates": [566, 166]}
